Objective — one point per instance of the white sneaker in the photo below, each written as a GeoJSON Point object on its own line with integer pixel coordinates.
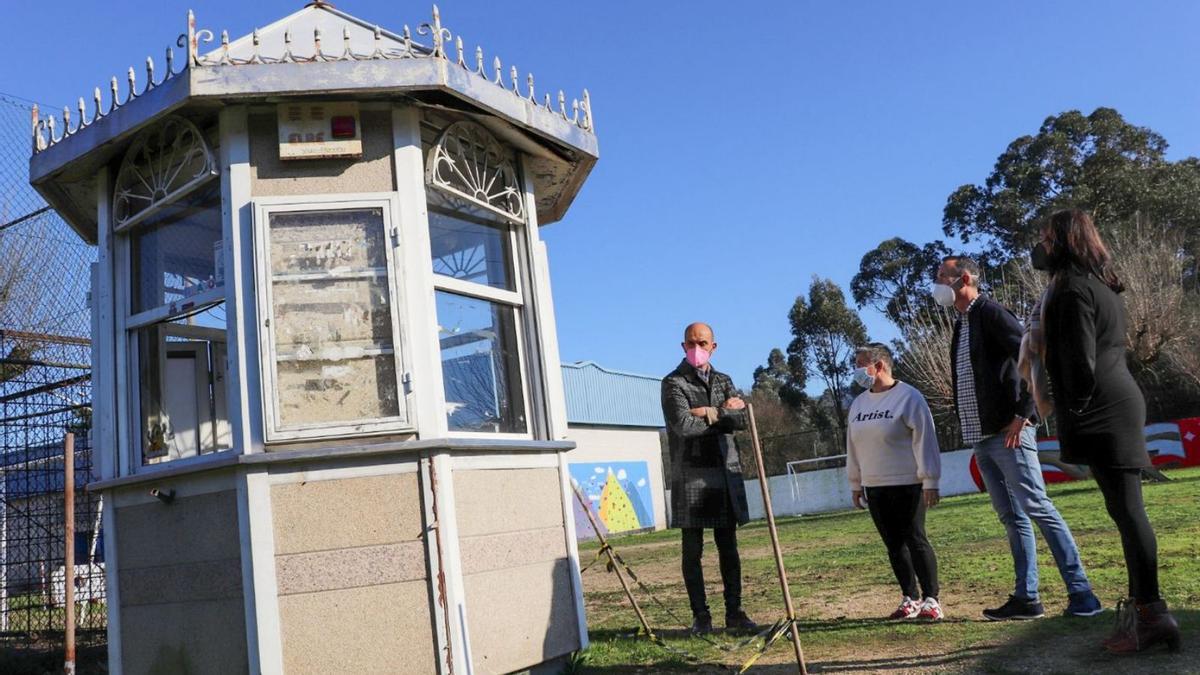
{"type": "Point", "coordinates": [931, 610]}
{"type": "Point", "coordinates": [908, 609]}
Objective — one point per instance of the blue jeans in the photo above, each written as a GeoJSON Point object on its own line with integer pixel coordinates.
{"type": "Point", "coordinates": [1013, 478]}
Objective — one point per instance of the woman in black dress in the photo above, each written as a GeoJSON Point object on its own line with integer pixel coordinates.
{"type": "Point", "coordinates": [1100, 410]}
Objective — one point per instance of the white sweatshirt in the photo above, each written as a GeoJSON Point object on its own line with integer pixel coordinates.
{"type": "Point", "coordinates": [891, 440]}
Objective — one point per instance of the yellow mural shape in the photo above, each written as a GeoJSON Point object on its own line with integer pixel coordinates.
{"type": "Point", "coordinates": [615, 508]}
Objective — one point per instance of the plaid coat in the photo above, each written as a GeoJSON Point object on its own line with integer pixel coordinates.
{"type": "Point", "coordinates": [706, 472]}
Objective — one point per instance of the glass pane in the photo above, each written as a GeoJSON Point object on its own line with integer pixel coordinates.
{"type": "Point", "coordinates": [182, 368]}
{"type": "Point", "coordinates": [176, 251]}
{"type": "Point", "coordinates": [471, 251]}
{"type": "Point", "coordinates": [334, 350]}
{"type": "Point", "coordinates": [481, 370]}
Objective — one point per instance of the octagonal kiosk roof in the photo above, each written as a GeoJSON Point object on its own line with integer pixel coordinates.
{"type": "Point", "coordinates": [318, 51]}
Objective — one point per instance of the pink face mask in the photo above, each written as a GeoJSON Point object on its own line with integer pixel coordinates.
{"type": "Point", "coordinates": [697, 357]}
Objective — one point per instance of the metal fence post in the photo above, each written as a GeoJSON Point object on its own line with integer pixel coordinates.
{"type": "Point", "coordinates": [69, 552]}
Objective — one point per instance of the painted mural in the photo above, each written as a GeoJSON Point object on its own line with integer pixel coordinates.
{"type": "Point", "coordinates": [618, 494]}
{"type": "Point", "coordinates": [1170, 444]}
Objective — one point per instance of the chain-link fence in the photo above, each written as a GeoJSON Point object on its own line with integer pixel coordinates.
{"type": "Point", "coordinates": [45, 392]}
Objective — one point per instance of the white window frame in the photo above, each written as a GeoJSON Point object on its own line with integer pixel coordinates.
{"type": "Point", "coordinates": [388, 203]}
{"type": "Point", "coordinates": [128, 324]}
{"type": "Point", "coordinates": [514, 299]}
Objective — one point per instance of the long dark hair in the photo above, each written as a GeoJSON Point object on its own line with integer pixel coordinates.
{"type": "Point", "coordinates": [1074, 242]}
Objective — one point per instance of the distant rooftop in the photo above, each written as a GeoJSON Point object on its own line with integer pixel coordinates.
{"type": "Point", "coordinates": [602, 397]}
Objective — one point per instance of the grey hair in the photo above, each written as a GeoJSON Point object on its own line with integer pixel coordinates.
{"type": "Point", "coordinates": [876, 352]}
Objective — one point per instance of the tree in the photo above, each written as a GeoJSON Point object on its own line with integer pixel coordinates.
{"type": "Point", "coordinates": [894, 277]}
{"type": "Point", "coordinates": [825, 333]}
{"type": "Point", "coordinates": [783, 379]}
{"type": "Point", "coordinates": [1100, 163]}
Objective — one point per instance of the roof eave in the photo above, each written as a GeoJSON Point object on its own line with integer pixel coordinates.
{"type": "Point", "coordinates": [230, 83]}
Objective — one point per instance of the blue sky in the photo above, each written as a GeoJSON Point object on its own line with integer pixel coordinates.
{"type": "Point", "coordinates": [744, 146]}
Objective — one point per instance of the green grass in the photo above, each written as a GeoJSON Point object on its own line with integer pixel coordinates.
{"type": "Point", "coordinates": [841, 582]}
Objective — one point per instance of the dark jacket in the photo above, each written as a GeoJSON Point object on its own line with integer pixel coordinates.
{"type": "Point", "coordinates": [995, 343]}
{"type": "Point", "coordinates": [706, 472]}
{"type": "Point", "coordinates": [1100, 410]}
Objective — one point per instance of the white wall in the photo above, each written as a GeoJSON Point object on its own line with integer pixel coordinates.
{"type": "Point", "coordinates": [623, 444]}
{"type": "Point", "coordinates": [829, 490]}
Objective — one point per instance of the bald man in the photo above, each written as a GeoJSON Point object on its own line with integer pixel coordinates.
{"type": "Point", "coordinates": [702, 410]}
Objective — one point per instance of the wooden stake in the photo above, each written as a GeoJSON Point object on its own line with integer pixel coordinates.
{"type": "Point", "coordinates": [69, 551]}
{"type": "Point", "coordinates": [793, 628]}
{"type": "Point", "coordinates": [612, 559]}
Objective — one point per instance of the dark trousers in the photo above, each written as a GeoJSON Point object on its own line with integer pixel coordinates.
{"type": "Point", "coordinates": [731, 568]}
{"type": "Point", "coordinates": [899, 515]}
{"type": "Point", "coordinates": [1122, 490]}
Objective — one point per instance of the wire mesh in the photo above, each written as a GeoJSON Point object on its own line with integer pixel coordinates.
{"type": "Point", "coordinates": [45, 392]}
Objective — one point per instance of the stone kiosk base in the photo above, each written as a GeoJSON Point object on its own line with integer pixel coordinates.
{"type": "Point", "coordinates": [348, 561]}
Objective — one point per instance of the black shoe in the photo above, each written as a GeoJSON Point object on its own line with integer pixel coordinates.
{"type": "Point", "coordinates": [1016, 609]}
{"type": "Point", "coordinates": [702, 624]}
{"type": "Point", "coordinates": [738, 622]}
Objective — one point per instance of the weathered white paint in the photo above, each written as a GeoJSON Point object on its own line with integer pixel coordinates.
{"type": "Point", "coordinates": [829, 490]}
{"type": "Point", "coordinates": [622, 444]}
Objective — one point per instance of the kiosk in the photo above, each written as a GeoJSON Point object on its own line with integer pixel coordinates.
{"type": "Point", "coordinates": [328, 406]}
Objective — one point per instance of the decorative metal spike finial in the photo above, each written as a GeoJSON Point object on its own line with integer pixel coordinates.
{"type": "Point", "coordinates": [317, 54]}
{"type": "Point", "coordinates": [513, 72]}
{"type": "Point", "coordinates": [116, 100]}
{"type": "Point", "coordinates": [378, 52]}
{"type": "Point", "coordinates": [408, 44]}
{"type": "Point", "coordinates": [37, 137]}
{"type": "Point", "coordinates": [255, 42]}
{"type": "Point", "coordinates": [529, 80]}
{"type": "Point", "coordinates": [458, 46]}
{"type": "Point", "coordinates": [82, 113]}
{"type": "Point", "coordinates": [546, 102]}
{"type": "Point", "coordinates": [562, 104]}
{"type": "Point", "coordinates": [346, 53]}
{"type": "Point", "coordinates": [149, 73]}
{"type": "Point", "coordinates": [66, 119]}
{"type": "Point", "coordinates": [132, 84]}
{"type": "Point", "coordinates": [96, 102]}
{"type": "Point", "coordinates": [50, 125]}
{"type": "Point", "coordinates": [193, 51]}
{"type": "Point", "coordinates": [499, 78]}
{"type": "Point", "coordinates": [287, 47]}
{"type": "Point", "coordinates": [224, 60]}
{"type": "Point", "coordinates": [439, 34]}
{"type": "Point", "coordinates": [575, 110]}
{"type": "Point", "coordinates": [479, 61]}
{"type": "Point", "coordinates": [589, 123]}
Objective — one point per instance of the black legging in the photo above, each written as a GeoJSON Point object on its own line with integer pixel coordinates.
{"type": "Point", "coordinates": [899, 515]}
{"type": "Point", "coordinates": [1122, 490]}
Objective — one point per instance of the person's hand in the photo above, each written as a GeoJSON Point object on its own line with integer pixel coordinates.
{"type": "Point", "coordinates": [1012, 433]}
{"type": "Point", "coordinates": [856, 496]}
{"type": "Point", "coordinates": [699, 412]}
{"type": "Point", "coordinates": [734, 403]}
{"type": "Point", "coordinates": [932, 497]}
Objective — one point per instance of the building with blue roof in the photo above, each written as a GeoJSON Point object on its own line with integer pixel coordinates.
{"type": "Point", "coordinates": [616, 421]}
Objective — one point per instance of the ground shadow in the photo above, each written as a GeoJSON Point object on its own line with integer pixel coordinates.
{"type": "Point", "coordinates": [1070, 645]}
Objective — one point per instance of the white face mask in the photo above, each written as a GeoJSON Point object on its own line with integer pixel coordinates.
{"type": "Point", "coordinates": [862, 379]}
{"type": "Point", "coordinates": [943, 295]}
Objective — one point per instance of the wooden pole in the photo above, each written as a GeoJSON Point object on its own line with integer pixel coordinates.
{"type": "Point", "coordinates": [69, 554]}
{"type": "Point", "coordinates": [612, 559]}
{"type": "Point", "coordinates": [793, 628]}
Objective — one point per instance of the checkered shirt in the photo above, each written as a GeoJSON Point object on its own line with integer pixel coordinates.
{"type": "Point", "coordinates": [968, 405]}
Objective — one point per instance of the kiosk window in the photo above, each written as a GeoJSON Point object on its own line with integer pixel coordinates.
{"type": "Point", "coordinates": [328, 306]}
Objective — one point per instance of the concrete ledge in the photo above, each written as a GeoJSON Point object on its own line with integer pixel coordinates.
{"type": "Point", "coordinates": [231, 458]}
